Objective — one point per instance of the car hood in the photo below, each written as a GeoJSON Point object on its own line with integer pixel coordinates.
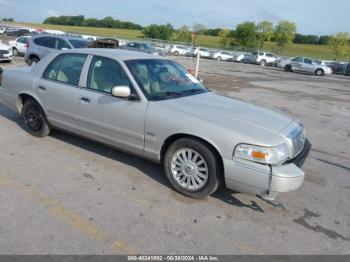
{"type": "Point", "coordinates": [4, 47]}
{"type": "Point", "coordinates": [229, 113]}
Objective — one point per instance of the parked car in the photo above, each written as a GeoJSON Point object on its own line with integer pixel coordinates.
{"type": "Point", "coordinates": [2, 30]}
{"type": "Point", "coordinates": [5, 53]}
{"type": "Point", "coordinates": [178, 50]}
{"type": "Point", "coordinates": [142, 47]}
{"type": "Point", "coordinates": [203, 52]}
{"type": "Point", "coordinates": [238, 57]}
{"type": "Point", "coordinates": [104, 43]}
{"type": "Point", "coordinates": [202, 138]}
{"type": "Point", "coordinates": [19, 45]}
{"type": "Point", "coordinates": [40, 45]}
{"type": "Point", "coordinates": [304, 64]}
{"type": "Point", "coordinates": [261, 58]}
{"type": "Point", "coordinates": [18, 32]}
{"type": "Point", "coordinates": [223, 55]}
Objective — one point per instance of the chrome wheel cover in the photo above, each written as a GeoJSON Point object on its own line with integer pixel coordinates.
{"type": "Point", "coordinates": [189, 169]}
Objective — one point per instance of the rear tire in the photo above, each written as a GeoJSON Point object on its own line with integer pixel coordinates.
{"type": "Point", "coordinates": [319, 72]}
{"type": "Point", "coordinates": [34, 119]}
{"type": "Point", "coordinates": [192, 168]}
{"type": "Point", "coordinates": [176, 53]}
{"type": "Point", "coordinates": [33, 61]}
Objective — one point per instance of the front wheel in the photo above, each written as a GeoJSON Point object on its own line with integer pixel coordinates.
{"type": "Point", "coordinates": [288, 68]}
{"type": "Point", "coordinates": [15, 52]}
{"type": "Point", "coordinates": [263, 63]}
{"type": "Point", "coordinates": [192, 168]}
{"type": "Point", "coordinates": [319, 72]}
{"type": "Point", "coordinates": [219, 58]}
{"type": "Point", "coordinates": [34, 119]}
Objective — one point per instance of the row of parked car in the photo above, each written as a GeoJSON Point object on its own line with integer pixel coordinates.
{"type": "Point", "coordinates": [38, 45]}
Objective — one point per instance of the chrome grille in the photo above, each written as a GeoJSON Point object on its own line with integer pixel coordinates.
{"type": "Point", "coordinates": [297, 139]}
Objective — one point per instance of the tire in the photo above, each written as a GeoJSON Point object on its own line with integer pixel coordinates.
{"type": "Point", "coordinates": [33, 61]}
{"type": "Point", "coordinates": [288, 68]}
{"type": "Point", "coordinates": [198, 178]}
{"type": "Point", "coordinates": [15, 52]}
{"type": "Point", "coordinates": [319, 72]}
{"type": "Point", "coordinates": [219, 58]}
{"type": "Point", "coordinates": [176, 53]}
{"type": "Point", "coordinates": [34, 119]}
{"type": "Point", "coordinates": [263, 62]}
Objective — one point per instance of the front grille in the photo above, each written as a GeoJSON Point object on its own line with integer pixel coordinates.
{"type": "Point", "coordinates": [4, 52]}
{"type": "Point", "coordinates": [297, 139]}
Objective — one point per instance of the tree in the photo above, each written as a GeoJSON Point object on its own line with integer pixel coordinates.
{"type": "Point", "coordinates": [199, 28]}
{"type": "Point", "coordinates": [339, 44]}
{"type": "Point", "coordinates": [224, 36]}
{"type": "Point", "coordinates": [183, 34]}
{"type": "Point", "coordinates": [284, 33]}
{"type": "Point", "coordinates": [305, 39]}
{"type": "Point", "coordinates": [164, 32]}
{"type": "Point", "coordinates": [265, 32]}
{"type": "Point", "coordinates": [246, 35]}
{"type": "Point", "coordinates": [324, 39]}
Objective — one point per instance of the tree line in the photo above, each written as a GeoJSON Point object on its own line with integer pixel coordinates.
{"type": "Point", "coordinates": [246, 35]}
{"type": "Point", "coordinates": [80, 20]}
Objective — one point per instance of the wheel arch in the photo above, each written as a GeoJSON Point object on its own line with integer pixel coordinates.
{"type": "Point", "coordinates": [23, 97]}
{"type": "Point", "coordinates": [172, 138]}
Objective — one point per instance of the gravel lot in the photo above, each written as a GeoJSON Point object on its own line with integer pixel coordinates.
{"type": "Point", "coordinates": [67, 195]}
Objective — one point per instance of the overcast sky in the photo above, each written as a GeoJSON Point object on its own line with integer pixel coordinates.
{"type": "Point", "coordinates": [311, 16]}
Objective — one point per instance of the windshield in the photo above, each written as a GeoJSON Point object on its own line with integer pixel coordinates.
{"type": "Point", "coordinates": [164, 79]}
{"type": "Point", "coordinates": [78, 43]}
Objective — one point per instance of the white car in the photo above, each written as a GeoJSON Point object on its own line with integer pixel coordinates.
{"type": "Point", "coordinates": [304, 64]}
{"type": "Point", "coordinates": [178, 50]}
{"type": "Point", "coordinates": [5, 53]}
{"type": "Point", "coordinates": [2, 30]}
{"type": "Point", "coordinates": [223, 55]}
{"type": "Point", "coordinates": [238, 57]}
{"type": "Point", "coordinates": [262, 58]}
{"type": "Point", "coordinates": [19, 46]}
{"type": "Point", "coordinates": [202, 52]}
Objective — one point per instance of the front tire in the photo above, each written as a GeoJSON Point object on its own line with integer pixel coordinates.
{"type": "Point", "coordinates": [15, 52]}
{"type": "Point", "coordinates": [219, 58]}
{"type": "Point", "coordinates": [263, 63]}
{"type": "Point", "coordinates": [288, 68]}
{"type": "Point", "coordinates": [34, 119]}
{"type": "Point", "coordinates": [319, 72]}
{"type": "Point", "coordinates": [192, 168]}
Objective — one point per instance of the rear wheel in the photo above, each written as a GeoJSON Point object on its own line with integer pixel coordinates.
{"type": "Point", "coordinates": [319, 72]}
{"type": "Point", "coordinates": [33, 61]}
{"type": "Point", "coordinates": [34, 119]}
{"type": "Point", "coordinates": [176, 53]}
{"type": "Point", "coordinates": [192, 168]}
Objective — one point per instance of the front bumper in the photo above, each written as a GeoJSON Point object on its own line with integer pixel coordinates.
{"type": "Point", "coordinates": [265, 180]}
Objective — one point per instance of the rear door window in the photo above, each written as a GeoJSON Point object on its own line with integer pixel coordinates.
{"type": "Point", "coordinates": [49, 42]}
{"type": "Point", "coordinates": [66, 68]}
{"type": "Point", "coordinates": [62, 44]}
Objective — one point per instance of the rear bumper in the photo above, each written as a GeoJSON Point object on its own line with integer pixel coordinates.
{"type": "Point", "coordinates": [264, 180]}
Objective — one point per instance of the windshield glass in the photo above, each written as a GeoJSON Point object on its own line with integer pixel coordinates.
{"type": "Point", "coordinates": [78, 43]}
{"type": "Point", "coordinates": [164, 79]}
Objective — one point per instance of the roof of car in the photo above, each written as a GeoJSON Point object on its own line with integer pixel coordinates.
{"type": "Point", "coordinates": [122, 54]}
{"type": "Point", "coordinates": [66, 37]}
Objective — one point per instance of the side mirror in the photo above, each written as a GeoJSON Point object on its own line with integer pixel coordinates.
{"type": "Point", "coordinates": [121, 91]}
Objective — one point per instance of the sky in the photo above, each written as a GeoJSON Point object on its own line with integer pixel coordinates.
{"type": "Point", "coordinates": [311, 16]}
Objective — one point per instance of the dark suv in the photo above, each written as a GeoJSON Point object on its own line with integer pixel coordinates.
{"type": "Point", "coordinates": [39, 46]}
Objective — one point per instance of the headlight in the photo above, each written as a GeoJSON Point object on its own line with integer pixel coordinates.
{"type": "Point", "coordinates": [266, 155]}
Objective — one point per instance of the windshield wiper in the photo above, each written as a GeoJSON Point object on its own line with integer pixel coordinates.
{"type": "Point", "coordinates": [170, 93]}
{"type": "Point", "coordinates": [194, 90]}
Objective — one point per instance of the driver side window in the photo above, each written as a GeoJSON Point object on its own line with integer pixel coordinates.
{"type": "Point", "coordinates": [105, 73]}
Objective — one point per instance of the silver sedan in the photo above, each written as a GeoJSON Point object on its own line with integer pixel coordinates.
{"type": "Point", "coordinates": [152, 107]}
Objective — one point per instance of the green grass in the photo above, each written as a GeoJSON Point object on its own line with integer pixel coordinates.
{"type": "Point", "coordinates": [313, 51]}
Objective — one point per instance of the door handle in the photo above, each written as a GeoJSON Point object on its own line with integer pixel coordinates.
{"type": "Point", "coordinates": [85, 99]}
{"type": "Point", "coordinates": [42, 88]}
